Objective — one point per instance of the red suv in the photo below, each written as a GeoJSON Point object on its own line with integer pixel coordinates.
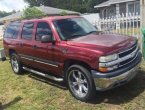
{"type": "Point", "coordinates": [70, 49]}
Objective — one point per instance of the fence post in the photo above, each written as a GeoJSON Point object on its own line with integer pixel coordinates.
{"type": "Point", "coordinates": [142, 6]}
{"type": "Point", "coordinates": [133, 28]}
{"type": "Point", "coordinates": [126, 22]}
{"type": "Point", "coordinates": [142, 13]}
{"type": "Point", "coordinates": [123, 23]}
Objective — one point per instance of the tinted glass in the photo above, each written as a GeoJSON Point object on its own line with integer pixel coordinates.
{"type": "Point", "coordinates": [43, 28]}
{"type": "Point", "coordinates": [12, 30]}
{"type": "Point", "coordinates": [27, 31]}
{"type": "Point", "coordinates": [73, 27]}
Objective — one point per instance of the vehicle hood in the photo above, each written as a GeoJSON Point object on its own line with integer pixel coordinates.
{"type": "Point", "coordinates": [106, 43]}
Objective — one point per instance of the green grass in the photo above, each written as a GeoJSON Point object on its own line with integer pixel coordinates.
{"type": "Point", "coordinates": [24, 92]}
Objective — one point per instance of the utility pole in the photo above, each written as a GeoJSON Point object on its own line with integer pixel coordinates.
{"type": "Point", "coordinates": [142, 5]}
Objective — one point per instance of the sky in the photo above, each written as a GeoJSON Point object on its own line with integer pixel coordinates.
{"type": "Point", "coordinates": [9, 5]}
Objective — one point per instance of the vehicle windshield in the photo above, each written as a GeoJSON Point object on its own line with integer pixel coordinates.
{"type": "Point", "coordinates": [73, 27]}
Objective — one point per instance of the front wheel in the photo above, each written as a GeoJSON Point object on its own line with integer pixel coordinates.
{"type": "Point", "coordinates": [16, 64]}
{"type": "Point", "coordinates": [80, 83]}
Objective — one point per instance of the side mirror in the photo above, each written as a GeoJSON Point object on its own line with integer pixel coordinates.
{"type": "Point", "coordinates": [46, 38]}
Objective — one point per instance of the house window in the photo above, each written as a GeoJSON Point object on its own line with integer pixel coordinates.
{"type": "Point", "coordinates": [133, 7]}
{"type": "Point", "coordinates": [112, 12]}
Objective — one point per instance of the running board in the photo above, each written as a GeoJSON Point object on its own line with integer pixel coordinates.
{"type": "Point", "coordinates": [44, 75]}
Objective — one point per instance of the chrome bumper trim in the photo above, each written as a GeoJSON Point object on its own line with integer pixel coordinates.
{"type": "Point", "coordinates": [103, 84]}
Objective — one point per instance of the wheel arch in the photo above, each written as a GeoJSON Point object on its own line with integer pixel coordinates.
{"type": "Point", "coordinates": [12, 51]}
{"type": "Point", "coordinates": [71, 62]}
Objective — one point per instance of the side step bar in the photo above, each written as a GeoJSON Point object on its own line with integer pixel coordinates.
{"type": "Point", "coordinates": [44, 75]}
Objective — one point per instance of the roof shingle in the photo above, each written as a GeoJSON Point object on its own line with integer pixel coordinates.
{"type": "Point", "coordinates": [111, 2]}
{"type": "Point", "coordinates": [47, 10]}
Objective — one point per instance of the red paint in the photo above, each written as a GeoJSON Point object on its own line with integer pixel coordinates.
{"type": "Point", "coordinates": [86, 49]}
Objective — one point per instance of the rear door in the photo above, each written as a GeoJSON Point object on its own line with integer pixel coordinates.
{"type": "Point", "coordinates": [11, 36]}
{"type": "Point", "coordinates": [44, 52]}
{"type": "Point", "coordinates": [25, 43]}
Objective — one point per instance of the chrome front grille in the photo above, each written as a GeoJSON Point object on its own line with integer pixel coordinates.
{"type": "Point", "coordinates": [131, 53]}
{"type": "Point", "coordinates": [125, 58]}
{"type": "Point", "coordinates": [127, 52]}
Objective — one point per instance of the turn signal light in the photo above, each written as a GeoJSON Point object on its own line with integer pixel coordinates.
{"type": "Point", "coordinates": [102, 69]}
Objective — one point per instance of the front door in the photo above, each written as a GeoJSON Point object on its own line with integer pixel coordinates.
{"type": "Point", "coordinates": [44, 52]}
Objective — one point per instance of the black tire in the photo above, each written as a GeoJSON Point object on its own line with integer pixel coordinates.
{"type": "Point", "coordinates": [85, 83]}
{"type": "Point", "coordinates": [16, 65]}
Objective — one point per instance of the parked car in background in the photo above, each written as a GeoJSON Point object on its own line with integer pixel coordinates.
{"type": "Point", "coordinates": [70, 49]}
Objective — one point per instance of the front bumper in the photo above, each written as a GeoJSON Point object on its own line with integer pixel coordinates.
{"type": "Point", "coordinates": [105, 81]}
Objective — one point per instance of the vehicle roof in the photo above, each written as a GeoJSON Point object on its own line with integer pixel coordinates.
{"type": "Point", "coordinates": [59, 17]}
{"type": "Point", "coordinates": [51, 18]}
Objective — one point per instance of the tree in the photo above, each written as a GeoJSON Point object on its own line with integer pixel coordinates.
{"type": "Point", "coordinates": [82, 6]}
{"type": "Point", "coordinates": [39, 2]}
{"type": "Point", "coordinates": [32, 2]}
{"type": "Point", "coordinates": [3, 13]}
{"type": "Point", "coordinates": [32, 12]}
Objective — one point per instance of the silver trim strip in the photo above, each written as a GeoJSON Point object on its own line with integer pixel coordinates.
{"type": "Point", "coordinates": [39, 61]}
{"type": "Point", "coordinates": [45, 63]}
{"type": "Point", "coordinates": [27, 58]}
{"type": "Point", "coordinates": [130, 61]}
{"type": "Point", "coordinates": [128, 49]}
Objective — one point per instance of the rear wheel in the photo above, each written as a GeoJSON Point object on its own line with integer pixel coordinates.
{"type": "Point", "coordinates": [16, 64]}
{"type": "Point", "coordinates": [80, 83]}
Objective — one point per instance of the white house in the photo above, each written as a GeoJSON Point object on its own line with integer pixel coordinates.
{"type": "Point", "coordinates": [112, 8]}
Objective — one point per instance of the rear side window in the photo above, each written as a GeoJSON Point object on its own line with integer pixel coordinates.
{"type": "Point", "coordinates": [27, 31]}
{"type": "Point", "coordinates": [12, 30]}
{"type": "Point", "coordinates": [43, 28]}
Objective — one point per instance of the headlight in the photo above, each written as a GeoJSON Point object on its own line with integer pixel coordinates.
{"type": "Point", "coordinates": [105, 59]}
{"type": "Point", "coordinates": [108, 58]}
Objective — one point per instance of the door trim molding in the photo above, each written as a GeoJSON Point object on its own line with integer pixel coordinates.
{"type": "Point", "coordinates": [38, 60]}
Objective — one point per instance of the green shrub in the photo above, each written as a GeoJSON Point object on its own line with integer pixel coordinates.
{"type": "Point", "coordinates": [63, 13]}
{"type": "Point", "coordinates": [33, 12]}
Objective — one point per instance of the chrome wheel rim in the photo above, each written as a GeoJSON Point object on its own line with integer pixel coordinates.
{"type": "Point", "coordinates": [15, 64]}
{"type": "Point", "coordinates": [78, 83]}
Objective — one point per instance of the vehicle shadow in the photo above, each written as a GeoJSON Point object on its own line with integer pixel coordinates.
{"type": "Point", "coordinates": [124, 93]}
{"type": "Point", "coordinates": [5, 106]}
{"type": "Point", "coordinates": [115, 96]}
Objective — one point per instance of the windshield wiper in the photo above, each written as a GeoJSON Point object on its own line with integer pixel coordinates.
{"type": "Point", "coordinates": [91, 32]}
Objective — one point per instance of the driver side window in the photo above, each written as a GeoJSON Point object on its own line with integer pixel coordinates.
{"type": "Point", "coordinates": [43, 28]}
